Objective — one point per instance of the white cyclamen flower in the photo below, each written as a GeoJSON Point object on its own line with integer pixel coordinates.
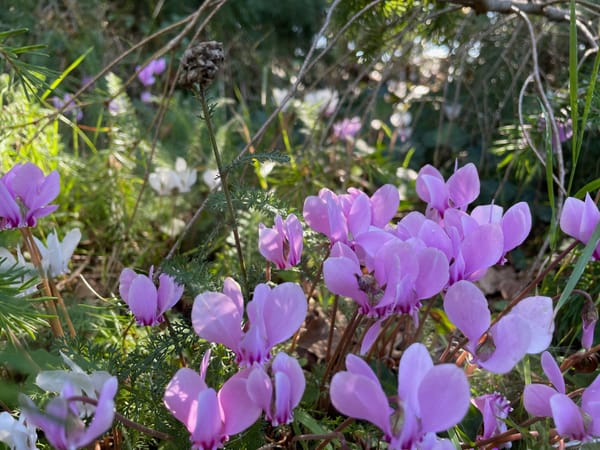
{"type": "Point", "coordinates": [164, 181]}
{"type": "Point", "coordinates": [56, 255]}
{"type": "Point", "coordinates": [17, 434]}
{"type": "Point", "coordinates": [186, 177]}
{"type": "Point", "coordinates": [81, 382]}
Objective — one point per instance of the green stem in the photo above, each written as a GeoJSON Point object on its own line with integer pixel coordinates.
{"type": "Point", "coordinates": [223, 175]}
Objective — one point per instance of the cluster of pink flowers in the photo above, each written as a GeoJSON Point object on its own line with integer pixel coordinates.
{"type": "Point", "coordinates": [388, 269]}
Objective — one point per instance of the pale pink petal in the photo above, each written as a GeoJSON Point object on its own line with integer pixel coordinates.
{"type": "Point", "coordinates": [370, 337]}
{"type": "Point", "coordinates": [291, 367]}
{"type": "Point", "coordinates": [143, 300]}
{"type": "Point", "coordinates": [341, 277]}
{"type": "Point", "coordinates": [536, 399]}
{"type": "Point", "coordinates": [238, 408]}
{"type": "Point", "coordinates": [284, 312]}
{"type": "Point", "coordinates": [422, 187]}
{"type": "Point", "coordinates": [443, 398]}
{"type": "Point", "coordinates": [270, 245]}
{"type": "Point", "coordinates": [209, 429]}
{"type": "Point", "coordinates": [181, 396]}
{"type": "Point", "coordinates": [294, 235]}
{"type": "Point", "coordinates": [360, 397]}
{"type": "Point", "coordinates": [169, 293]}
{"type": "Point", "coordinates": [125, 280]}
{"type": "Point", "coordinates": [567, 418]}
{"type": "Point", "coordinates": [260, 388]}
{"type": "Point", "coordinates": [467, 308]}
{"type": "Point", "coordinates": [216, 318]}
{"type": "Point", "coordinates": [538, 313]}
{"type": "Point", "coordinates": [463, 186]}
{"type": "Point", "coordinates": [232, 289]}
{"type": "Point", "coordinates": [359, 217]}
{"type": "Point", "coordinates": [481, 250]}
{"type": "Point", "coordinates": [384, 205]}
{"type": "Point", "coordinates": [487, 214]}
{"type": "Point", "coordinates": [511, 337]}
{"type": "Point", "coordinates": [414, 366]}
{"type": "Point", "coordinates": [433, 273]}
{"type": "Point", "coordinates": [552, 371]}
{"type": "Point", "coordinates": [516, 225]}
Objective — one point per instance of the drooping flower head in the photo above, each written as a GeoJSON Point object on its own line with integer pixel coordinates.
{"type": "Point", "coordinates": [430, 399]}
{"type": "Point", "coordinates": [495, 409]}
{"type": "Point", "coordinates": [56, 255]}
{"type": "Point", "coordinates": [146, 302]}
{"type": "Point", "coordinates": [281, 244]}
{"type": "Point", "coordinates": [24, 195]}
{"type": "Point", "coordinates": [581, 423]}
{"type": "Point", "coordinates": [274, 315]}
{"type": "Point", "coordinates": [210, 416]}
{"type": "Point", "coordinates": [461, 189]}
{"type": "Point", "coordinates": [579, 218]}
{"type": "Point", "coordinates": [281, 391]}
{"type": "Point", "coordinates": [61, 423]}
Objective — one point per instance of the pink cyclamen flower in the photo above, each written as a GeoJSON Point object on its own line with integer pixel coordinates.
{"type": "Point", "coordinates": [461, 189]}
{"type": "Point", "coordinates": [210, 416]}
{"type": "Point", "coordinates": [24, 195]}
{"type": "Point", "coordinates": [342, 218]}
{"type": "Point", "coordinates": [495, 409]}
{"type": "Point", "coordinates": [527, 328]}
{"type": "Point", "coordinates": [154, 67]}
{"type": "Point", "coordinates": [430, 399]}
{"type": "Point", "coordinates": [281, 244]}
{"type": "Point", "coordinates": [147, 303]}
{"type": "Point", "coordinates": [581, 423]}
{"type": "Point", "coordinates": [61, 424]}
{"type": "Point", "coordinates": [515, 223]}
{"type": "Point", "coordinates": [578, 220]}
{"type": "Point", "coordinates": [346, 128]}
{"type": "Point", "coordinates": [279, 393]}
{"type": "Point", "coordinates": [274, 315]}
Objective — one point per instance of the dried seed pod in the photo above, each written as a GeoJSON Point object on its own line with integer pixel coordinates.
{"type": "Point", "coordinates": [200, 64]}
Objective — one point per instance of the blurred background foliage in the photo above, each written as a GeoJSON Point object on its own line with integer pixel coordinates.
{"type": "Point", "coordinates": [430, 81]}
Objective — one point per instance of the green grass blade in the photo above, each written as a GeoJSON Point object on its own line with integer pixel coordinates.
{"type": "Point", "coordinates": [580, 266]}
{"type": "Point", "coordinates": [66, 72]}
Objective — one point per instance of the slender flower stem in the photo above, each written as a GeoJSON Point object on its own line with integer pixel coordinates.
{"type": "Point", "coordinates": [55, 324]}
{"type": "Point", "coordinates": [223, 175]}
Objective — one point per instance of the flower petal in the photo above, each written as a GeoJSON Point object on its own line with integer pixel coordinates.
{"type": "Point", "coordinates": [215, 317]}
{"type": "Point", "coordinates": [466, 307]}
